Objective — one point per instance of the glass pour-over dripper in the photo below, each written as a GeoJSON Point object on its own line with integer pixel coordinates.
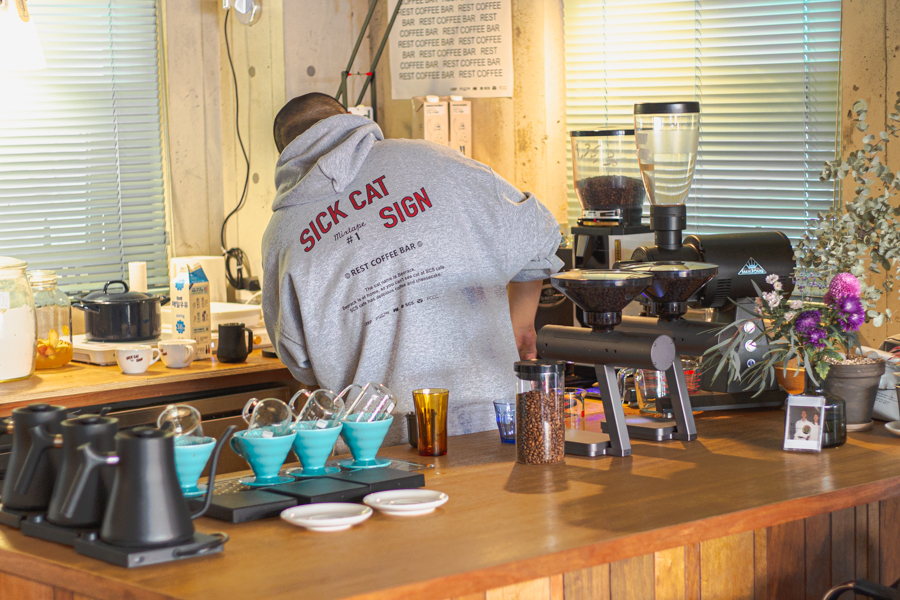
{"type": "Point", "coordinates": [268, 417]}
{"type": "Point", "coordinates": [182, 420]}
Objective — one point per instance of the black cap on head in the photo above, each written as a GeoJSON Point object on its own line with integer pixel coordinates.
{"type": "Point", "coordinates": [300, 114]}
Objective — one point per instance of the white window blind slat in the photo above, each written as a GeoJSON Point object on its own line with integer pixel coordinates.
{"type": "Point", "coordinates": [765, 72]}
{"type": "Point", "coordinates": [81, 174]}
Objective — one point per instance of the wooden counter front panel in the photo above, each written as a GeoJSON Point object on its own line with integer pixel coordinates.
{"type": "Point", "coordinates": [798, 560]}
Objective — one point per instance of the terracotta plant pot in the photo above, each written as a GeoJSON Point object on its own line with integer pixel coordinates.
{"type": "Point", "coordinates": [857, 386]}
{"type": "Point", "coordinates": [795, 381]}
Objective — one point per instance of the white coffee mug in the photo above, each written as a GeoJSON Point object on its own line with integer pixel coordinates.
{"type": "Point", "coordinates": [134, 360]}
{"type": "Point", "coordinates": [177, 354]}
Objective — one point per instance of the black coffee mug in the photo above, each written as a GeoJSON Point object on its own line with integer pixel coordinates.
{"type": "Point", "coordinates": [232, 346]}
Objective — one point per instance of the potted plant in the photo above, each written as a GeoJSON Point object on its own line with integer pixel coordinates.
{"type": "Point", "coordinates": [820, 336]}
{"type": "Point", "coordinates": [862, 236]}
{"type": "Point", "coordinates": [844, 248]}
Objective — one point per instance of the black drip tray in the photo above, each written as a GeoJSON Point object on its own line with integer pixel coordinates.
{"type": "Point", "coordinates": [237, 503]}
{"type": "Point", "coordinates": [37, 526]}
{"type": "Point", "coordinates": [13, 518]}
{"type": "Point", "coordinates": [202, 545]}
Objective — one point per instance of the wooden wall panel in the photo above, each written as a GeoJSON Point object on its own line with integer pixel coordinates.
{"type": "Point", "coordinates": [818, 556]}
{"type": "Point", "coordinates": [587, 584]}
{"type": "Point", "coordinates": [843, 546]}
{"type": "Point", "coordinates": [632, 578]}
{"type": "Point", "coordinates": [669, 574]}
{"type": "Point", "coordinates": [537, 589]}
{"type": "Point", "coordinates": [760, 564]}
{"type": "Point", "coordinates": [692, 572]}
{"type": "Point", "coordinates": [786, 564]}
{"type": "Point", "coordinates": [726, 567]}
{"type": "Point", "coordinates": [17, 588]}
{"type": "Point", "coordinates": [889, 541]}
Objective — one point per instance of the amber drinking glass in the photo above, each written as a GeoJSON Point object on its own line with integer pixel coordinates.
{"type": "Point", "coordinates": [431, 418]}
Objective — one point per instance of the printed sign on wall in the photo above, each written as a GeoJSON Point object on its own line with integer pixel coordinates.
{"type": "Point", "coordinates": [458, 47]}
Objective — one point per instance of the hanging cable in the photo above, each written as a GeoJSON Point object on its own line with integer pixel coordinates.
{"type": "Point", "coordinates": [236, 254]}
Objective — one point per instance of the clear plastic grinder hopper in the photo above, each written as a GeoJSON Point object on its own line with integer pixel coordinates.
{"type": "Point", "coordinates": [667, 135]}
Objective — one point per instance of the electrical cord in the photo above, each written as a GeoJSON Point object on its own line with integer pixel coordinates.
{"type": "Point", "coordinates": [236, 281]}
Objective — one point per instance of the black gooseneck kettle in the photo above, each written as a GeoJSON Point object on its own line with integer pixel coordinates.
{"type": "Point", "coordinates": [46, 467]}
{"type": "Point", "coordinates": [146, 508]}
{"type": "Point", "coordinates": [99, 432]}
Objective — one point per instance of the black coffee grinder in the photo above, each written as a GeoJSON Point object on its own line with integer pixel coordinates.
{"type": "Point", "coordinates": [667, 137]}
{"type": "Point", "coordinates": [602, 295]}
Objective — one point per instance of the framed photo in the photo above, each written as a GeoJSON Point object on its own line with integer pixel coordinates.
{"type": "Point", "coordinates": [803, 423]}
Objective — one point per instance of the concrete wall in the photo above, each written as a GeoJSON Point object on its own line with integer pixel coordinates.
{"type": "Point", "coordinates": [522, 138]}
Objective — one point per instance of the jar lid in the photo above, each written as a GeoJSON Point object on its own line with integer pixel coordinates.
{"type": "Point", "coordinates": [539, 367]}
{"type": "Point", "coordinates": [7, 262]}
{"type": "Point", "coordinates": [666, 108]}
{"type": "Point", "coordinates": [42, 277]}
{"type": "Point", "coordinates": [601, 132]}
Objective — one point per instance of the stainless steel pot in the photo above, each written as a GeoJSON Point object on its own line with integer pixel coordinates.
{"type": "Point", "coordinates": [121, 316]}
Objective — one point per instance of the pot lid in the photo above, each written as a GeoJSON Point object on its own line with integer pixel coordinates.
{"type": "Point", "coordinates": [110, 296]}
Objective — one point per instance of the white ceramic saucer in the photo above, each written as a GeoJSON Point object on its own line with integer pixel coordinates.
{"type": "Point", "coordinates": [328, 516]}
{"type": "Point", "coordinates": [893, 427]}
{"type": "Point", "coordinates": [406, 503]}
{"type": "Point", "coordinates": [859, 426]}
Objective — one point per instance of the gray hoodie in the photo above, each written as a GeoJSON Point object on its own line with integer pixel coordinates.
{"type": "Point", "coordinates": [388, 260]}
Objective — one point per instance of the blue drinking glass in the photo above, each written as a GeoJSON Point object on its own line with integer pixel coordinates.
{"type": "Point", "coordinates": [506, 420]}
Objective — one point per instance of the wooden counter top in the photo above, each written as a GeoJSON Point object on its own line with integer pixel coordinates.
{"type": "Point", "coordinates": [507, 523]}
{"type": "Point", "coordinates": [78, 384]}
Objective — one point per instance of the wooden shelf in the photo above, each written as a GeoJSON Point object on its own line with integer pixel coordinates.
{"type": "Point", "coordinates": [78, 384]}
{"type": "Point", "coordinates": [507, 523]}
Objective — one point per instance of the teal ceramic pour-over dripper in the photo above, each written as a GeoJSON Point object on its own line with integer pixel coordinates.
{"type": "Point", "coordinates": [312, 447]}
{"type": "Point", "coordinates": [191, 455]}
{"type": "Point", "coordinates": [264, 454]}
{"type": "Point", "coordinates": [364, 438]}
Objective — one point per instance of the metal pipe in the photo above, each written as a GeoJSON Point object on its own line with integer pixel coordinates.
{"type": "Point", "coordinates": [378, 54]}
{"type": "Point", "coordinates": [362, 32]}
{"type": "Point", "coordinates": [616, 348]}
{"type": "Point", "coordinates": [692, 338]}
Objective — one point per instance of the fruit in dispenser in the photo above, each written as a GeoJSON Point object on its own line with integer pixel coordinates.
{"type": "Point", "coordinates": [55, 351]}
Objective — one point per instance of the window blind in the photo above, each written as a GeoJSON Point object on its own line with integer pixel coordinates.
{"type": "Point", "coordinates": [81, 167]}
{"type": "Point", "coordinates": [766, 74]}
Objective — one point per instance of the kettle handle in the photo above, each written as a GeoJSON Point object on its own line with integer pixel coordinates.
{"type": "Point", "coordinates": [212, 472]}
{"type": "Point", "coordinates": [41, 440]}
{"type": "Point", "coordinates": [89, 460]}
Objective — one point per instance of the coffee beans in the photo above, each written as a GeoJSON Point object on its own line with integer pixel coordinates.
{"type": "Point", "coordinates": [540, 427]}
{"type": "Point", "coordinates": [611, 192]}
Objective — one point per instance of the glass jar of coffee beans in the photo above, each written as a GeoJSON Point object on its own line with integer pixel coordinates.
{"type": "Point", "coordinates": [540, 412]}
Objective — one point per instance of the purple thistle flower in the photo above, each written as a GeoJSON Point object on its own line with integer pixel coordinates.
{"type": "Point", "coordinates": [851, 312]}
{"type": "Point", "coordinates": [807, 321]}
{"type": "Point", "coordinates": [816, 336]}
{"type": "Point", "coordinates": [843, 284]}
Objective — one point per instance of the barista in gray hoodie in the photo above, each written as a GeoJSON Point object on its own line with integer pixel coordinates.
{"type": "Point", "coordinates": [389, 261]}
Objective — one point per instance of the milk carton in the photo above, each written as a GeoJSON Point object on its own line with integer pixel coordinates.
{"type": "Point", "coordinates": [430, 120]}
{"type": "Point", "coordinates": [191, 313]}
{"type": "Point", "coordinates": [461, 125]}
